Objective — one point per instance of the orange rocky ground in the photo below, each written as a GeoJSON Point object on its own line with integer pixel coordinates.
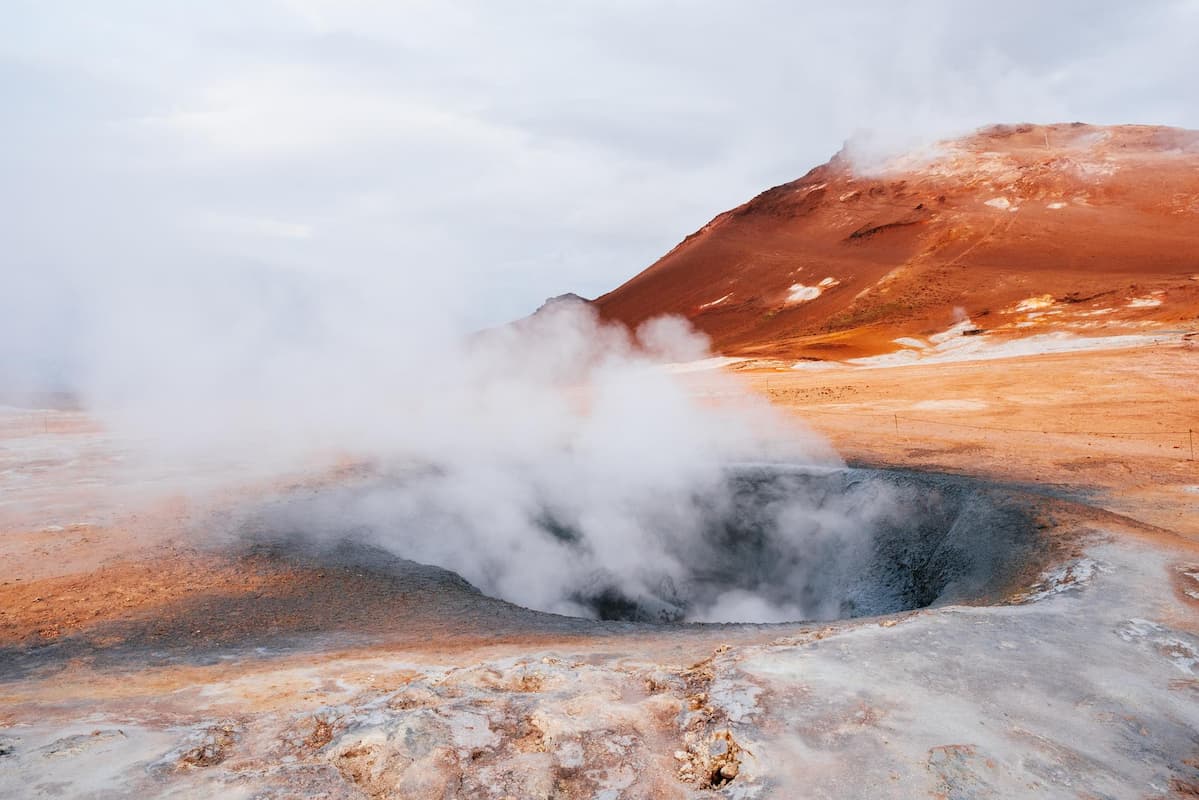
{"type": "Point", "coordinates": [1086, 229]}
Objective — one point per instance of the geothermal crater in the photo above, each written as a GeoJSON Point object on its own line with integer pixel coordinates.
{"type": "Point", "coordinates": [791, 544]}
{"type": "Point", "coordinates": [762, 543]}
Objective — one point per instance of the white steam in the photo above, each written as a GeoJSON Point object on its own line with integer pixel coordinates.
{"type": "Point", "coordinates": [557, 422]}
{"type": "Point", "coordinates": [545, 461]}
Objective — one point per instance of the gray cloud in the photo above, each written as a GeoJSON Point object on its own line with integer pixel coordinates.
{"type": "Point", "coordinates": [475, 158]}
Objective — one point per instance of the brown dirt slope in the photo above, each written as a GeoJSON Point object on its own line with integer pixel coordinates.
{"type": "Point", "coordinates": [1102, 222]}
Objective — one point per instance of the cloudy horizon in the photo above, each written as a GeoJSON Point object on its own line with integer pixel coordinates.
{"type": "Point", "coordinates": [464, 162]}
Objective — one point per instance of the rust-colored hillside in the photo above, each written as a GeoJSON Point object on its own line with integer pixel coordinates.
{"type": "Point", "coordinates": [1019, 228]}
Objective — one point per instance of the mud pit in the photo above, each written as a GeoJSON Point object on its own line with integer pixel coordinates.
{"type": "Point", "coordinates": [764, 543]}
{"type": "Point", "coordinates": [841, 544]}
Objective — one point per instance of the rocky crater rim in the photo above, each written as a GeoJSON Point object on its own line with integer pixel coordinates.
{"type": "Point", "coordinates": [771, 543]}
{"type": "Point", "coordinates": [795, 544]}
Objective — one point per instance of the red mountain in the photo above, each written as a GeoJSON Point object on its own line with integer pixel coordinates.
{"type": "Point", "coordinates": [1019, 228]}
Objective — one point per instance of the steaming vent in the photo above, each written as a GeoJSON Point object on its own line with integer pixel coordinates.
{"type": "Point", "coordinates": [830, 545]}
{"type": "Point", "coordinates": [760, 544]}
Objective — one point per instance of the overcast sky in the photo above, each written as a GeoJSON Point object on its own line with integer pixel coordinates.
{"type": "Point", "coordinates": [473, 158]}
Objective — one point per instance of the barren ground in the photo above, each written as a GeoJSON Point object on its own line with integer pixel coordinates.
{"type": "Point", "coordinates": [186, 671]}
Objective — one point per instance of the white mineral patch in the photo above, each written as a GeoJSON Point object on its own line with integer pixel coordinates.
{"type": "Point", "coordinates": [702, 365]}
{"type": "Point", "coordinates": [798, 293]}
{"type": "Point", "coordinates": [1144, 302]}
{"type": "Point", "coordinates": [981, 348]}
{"type": "Point", "coordinates": [738, 699]}
{"type": "Point", "coordinates": [1179, 648]}
{"type": "Point", "coordinates": [953, 332]}
{"type": "Point", "coordinates": [1068, 576]}
{"type": "Point", "coordinates": [1193, 575]}
{"type": "Point", "coordinates": [802, 365]}
{"type": "Point", "coordinates": [716, 302]}
{"type": "Point", "coordinates": [1035, 303]}
{"type": "Point", "coordinates": [469, 730]}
